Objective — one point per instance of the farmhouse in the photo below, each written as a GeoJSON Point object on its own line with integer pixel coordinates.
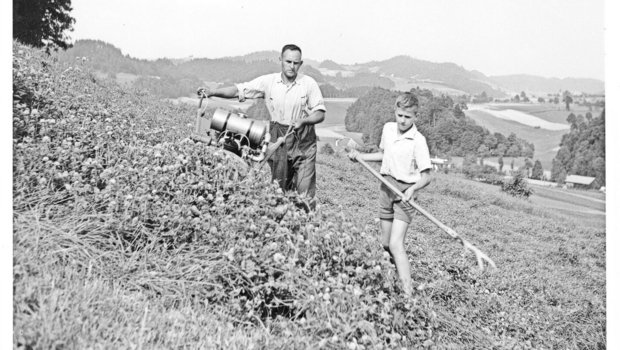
{"type": "Point", "coordinates": [578, 181]}
{"type": "Point", "coordinates": [439, 163]}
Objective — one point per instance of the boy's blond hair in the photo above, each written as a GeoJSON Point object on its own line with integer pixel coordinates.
{"type": "Point", "coordinates": [407, 101]}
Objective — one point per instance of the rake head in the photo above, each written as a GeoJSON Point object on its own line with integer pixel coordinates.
{"type": "Point", "coordinates": [480, 256]}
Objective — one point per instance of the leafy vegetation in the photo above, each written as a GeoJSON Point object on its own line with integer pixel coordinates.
{"type": "Point", "coordinates": [129, 235]}
{"type": "Point", "coordinates": [43, 23]}
{"type": "Point", "coordinates": [582, 150]}
{"type": "Point", "coordinates": [517, 186]}
{"type": "Point", "coordinates": [441, 120]}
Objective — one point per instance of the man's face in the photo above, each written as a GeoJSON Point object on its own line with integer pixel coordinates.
{"type": "Point", "coordinates": [291, 62]}
{"type": "Point", "coordinates": [405, 118]}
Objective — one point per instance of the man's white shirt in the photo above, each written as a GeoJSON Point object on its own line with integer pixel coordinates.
{"type": "Point", "coordinates": [286, 103]}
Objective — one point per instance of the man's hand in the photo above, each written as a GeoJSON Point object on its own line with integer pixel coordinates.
{"type": "Point", "coordinates": [299, 124]}
{"type": "Point", "coordinates": [411, 194]}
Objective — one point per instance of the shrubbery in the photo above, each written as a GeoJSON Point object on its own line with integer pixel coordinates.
{"type": "Point", "coordinates": [517, 186]}
{"type": "Point", "coordinates": [129, 235]}
{"type": "Point", "coordinates": [120, 164]}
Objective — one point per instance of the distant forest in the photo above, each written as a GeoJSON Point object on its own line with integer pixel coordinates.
{"type": "Point", "coordinates": [441, 120]}
{"type": "Point", "coordinates": [180, 77]}
{"type": "Point", "coordinates": [582, 150]}
{"type": "Point", "coordinates": [174, 78]}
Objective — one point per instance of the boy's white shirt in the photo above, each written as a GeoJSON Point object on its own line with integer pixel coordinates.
{"type": "Point", "coordinates": [404, 156]}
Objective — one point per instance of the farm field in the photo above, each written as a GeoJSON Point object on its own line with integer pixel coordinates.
{"type": "Point", "coordinates": [401, 84]}
{"type": "Point", "coordinates": [129, 235]}
{"type": "Point", "coordinates": [550, 112]}
{"type": "Point", "coordinates": [546, 142]}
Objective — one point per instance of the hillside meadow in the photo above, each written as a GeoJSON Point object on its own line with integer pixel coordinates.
{"type": "Point", "coordinates": [127, 234]}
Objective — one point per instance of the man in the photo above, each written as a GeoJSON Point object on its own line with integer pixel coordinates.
{"type": "Point", "coordinates": [294, 101]}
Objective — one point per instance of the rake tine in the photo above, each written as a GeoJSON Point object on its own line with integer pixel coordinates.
{"type": "Point", "coordinates": [480, 256]}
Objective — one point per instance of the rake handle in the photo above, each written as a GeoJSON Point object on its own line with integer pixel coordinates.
{"type": "Point", "coordinates": [479, 254]}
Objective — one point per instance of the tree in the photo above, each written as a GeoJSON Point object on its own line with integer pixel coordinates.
{"type": "Point", "coordinates": [42, 23]}
{"type": "Point", "coordinates": [567, 99]}
{"type": "Point", "coordinates": [572, 120]}
{"type": "Point", "coordinates": [537, 171]}
{"type": "Point", "coordinates": [483, 152]}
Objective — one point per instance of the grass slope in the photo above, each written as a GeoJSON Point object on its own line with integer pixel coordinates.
{"type": "Point", "coordinates": [128, 235]}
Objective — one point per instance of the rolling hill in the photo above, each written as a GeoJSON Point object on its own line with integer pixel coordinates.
{"type": "Point", "coordinates": [400, 71]}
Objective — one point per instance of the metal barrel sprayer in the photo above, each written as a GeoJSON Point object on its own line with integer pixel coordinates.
{"type": "Point", "coordinates": [245, 137]}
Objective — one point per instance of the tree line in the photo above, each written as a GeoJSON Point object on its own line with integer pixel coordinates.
{"type": "Point", "coordinates": [582, 150]}
{"type": "Point", "coordinates": [441, 120]}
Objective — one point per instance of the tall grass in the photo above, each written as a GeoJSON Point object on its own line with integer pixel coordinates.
{"type": "Point", "coordinates": [127, 235]}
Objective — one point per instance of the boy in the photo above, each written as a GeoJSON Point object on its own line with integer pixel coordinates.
{"type": "Point", "coordinates": [405, 163]}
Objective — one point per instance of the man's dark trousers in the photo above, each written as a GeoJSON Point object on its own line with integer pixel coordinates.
{"type": "Point", "coordinates": [293, 164]}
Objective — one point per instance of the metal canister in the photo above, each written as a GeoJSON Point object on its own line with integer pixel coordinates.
{"type": "Point", "coordinates": [224, 120]}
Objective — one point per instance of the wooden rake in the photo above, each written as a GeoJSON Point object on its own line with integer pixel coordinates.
{"type": "Point", "coordinates": [480, 256]}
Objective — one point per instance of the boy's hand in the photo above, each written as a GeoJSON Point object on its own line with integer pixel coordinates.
{"type": "Point", "coordinates": [353, 154]}
{"type": "Point", "coordinates": [203, 92]}
{"type": "Point", "coordinates": [411, 194]}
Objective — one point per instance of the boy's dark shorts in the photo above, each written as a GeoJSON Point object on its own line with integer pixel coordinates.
{"type": "Point", "coordinates": [391, 205]}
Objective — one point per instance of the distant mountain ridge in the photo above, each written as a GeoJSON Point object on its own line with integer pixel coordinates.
{"type": "Point", "coordinates": [446, 78]}
{"type": "Point", "coordinates": [536, 84]}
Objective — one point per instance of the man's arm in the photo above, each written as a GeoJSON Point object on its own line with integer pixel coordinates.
{"type": "Point", "coordinates": [316, 117]}
{"type": "Point", "coordinates": [225, 92]}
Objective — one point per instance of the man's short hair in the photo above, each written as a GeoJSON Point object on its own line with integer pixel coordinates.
{"type": "Point", "coordinates": [406, 101]}
{"type": "Point", "coordinates": [291, 47]}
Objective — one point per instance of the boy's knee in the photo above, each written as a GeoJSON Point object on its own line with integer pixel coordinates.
{"type": "Point", "coordinates": [396, 246]}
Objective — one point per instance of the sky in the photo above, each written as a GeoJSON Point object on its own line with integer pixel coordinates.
{"type": "Point", "coordinates": [550, 38]}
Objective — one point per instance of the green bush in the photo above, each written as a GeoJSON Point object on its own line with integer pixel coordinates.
{"type": "Point", "coordinates": [517, 186]}
{"type": "Point", "coordinates": [327, 149]}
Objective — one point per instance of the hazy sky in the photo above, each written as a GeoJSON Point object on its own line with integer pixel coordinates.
{"type": "Point", "coordinates": [551, 38]}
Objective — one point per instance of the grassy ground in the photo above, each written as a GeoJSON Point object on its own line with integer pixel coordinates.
{"type": "Point", "coordinates": [128, 235]}
{"type": "Point", "coordinates": [551, 264]}
{"type": "Point", "coordinates": [551, 112]}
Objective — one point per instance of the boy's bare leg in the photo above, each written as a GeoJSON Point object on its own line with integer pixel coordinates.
{"type": "Point", "coordinates": [386, 231]}
{"type": "Point", "coordinates": [397, 248]}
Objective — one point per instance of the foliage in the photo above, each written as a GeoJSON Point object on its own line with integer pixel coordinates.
{"type": "Point", "coordinates": [114, 167]}
{"type": "Point", "coordinates": [582, 150]}
{"type": "Point", "coordinates": [537, 170]}
{"type": "Point", "coordinates": [129, 235]}
{"type": "Point", "coordinates": [449, 74]}
{"type": "Point", "coordinates": [517, 186]}
{"type": "Point", "coordinates": [327, 149]}
{"type": "Point", "coordinates": [480, 172]}
{"type": "Point", "coordinates": [330, 91]}
{"type": "Point", "coordinates": [447, 130]}
{"type": "Point", "coordinates": [43, 23]}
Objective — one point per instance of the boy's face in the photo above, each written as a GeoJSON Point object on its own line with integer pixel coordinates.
{"type": "Point", "coordinates": [405, 118]}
